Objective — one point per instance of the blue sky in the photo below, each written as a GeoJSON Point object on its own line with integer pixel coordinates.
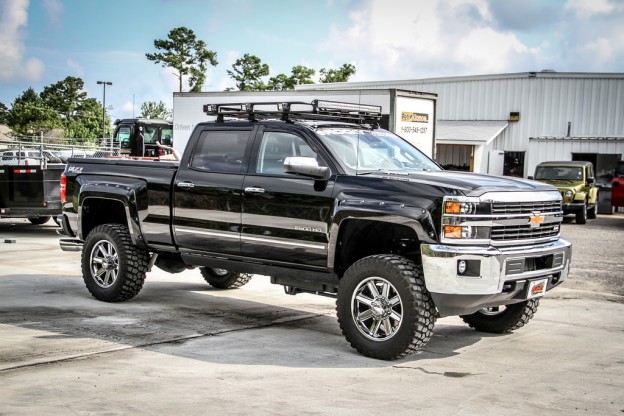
{"type": "Point", "coordinates": [44, 41]}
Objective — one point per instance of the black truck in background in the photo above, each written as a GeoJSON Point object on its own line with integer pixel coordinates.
{"type": "Point", "coordinates": [140, 137]}
{"type": "Point", "coordinates": [320, 199]}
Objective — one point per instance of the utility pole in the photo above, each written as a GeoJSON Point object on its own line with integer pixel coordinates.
{"type": "Point", "coordinates": [104, 83]}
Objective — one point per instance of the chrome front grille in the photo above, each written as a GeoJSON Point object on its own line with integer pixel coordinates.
{"type": "Point", "coordinates": [502, 219]}
{"type": "Point", "coordinates": [523, 232]}
{"type": "Point", "coordinates": [505, 208]}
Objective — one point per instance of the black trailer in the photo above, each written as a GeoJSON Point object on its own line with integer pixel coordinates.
{"type": "Point", "coordinates": [30, 191]}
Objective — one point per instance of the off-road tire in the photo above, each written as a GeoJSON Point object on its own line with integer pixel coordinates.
{"type": "Point", "coordinates": [508, 320]}
{"type": "Point", "coordinates": [398, 282]}
{"type": "Point", "coordinates": [593, 211]}
{"type": "Point", "coordinates": [581, 216]}
{"type": "Point", "coordinates": [113, 268]}
{"type": "Point", "coordinates": [39, 220]}
{"type": "Point", "coordinates": [224, 279]}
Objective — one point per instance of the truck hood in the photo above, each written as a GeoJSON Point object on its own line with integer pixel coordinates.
{"type": "Point", "coordinates": [469, 184]}
{"type": "Point", "coordinates": [563, 186]}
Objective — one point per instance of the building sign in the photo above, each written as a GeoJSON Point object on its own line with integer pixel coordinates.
{"type": "Point", "coordinates": [414, 122]}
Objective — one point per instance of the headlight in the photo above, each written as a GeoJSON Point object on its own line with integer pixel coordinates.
{"type": "Point", "coordinates": [456, 207]}
{"type": "Point", "coordinates": [569, 194]}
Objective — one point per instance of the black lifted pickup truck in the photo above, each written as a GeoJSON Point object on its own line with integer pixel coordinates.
{"type": "Point", "coordinates": [320, 199]}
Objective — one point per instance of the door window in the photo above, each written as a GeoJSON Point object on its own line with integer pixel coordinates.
{"type": "Point", "coordinates": [221, 151]}
{"type": "Point", "coordinates": [275, 147]}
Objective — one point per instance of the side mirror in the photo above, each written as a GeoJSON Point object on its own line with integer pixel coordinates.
{"type": "Point", "coordinates": [306, 166]}
{"type": "Point", "coordinates": [591, 180]}
{"type": "Point", "coordinates": [529, 177]}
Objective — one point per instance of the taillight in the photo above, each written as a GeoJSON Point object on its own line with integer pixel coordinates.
{"type": "Point", "coordinates": [63, 187]}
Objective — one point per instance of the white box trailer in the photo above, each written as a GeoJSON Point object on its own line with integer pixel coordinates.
{"type": "Point", "coordinates": [410, 114]}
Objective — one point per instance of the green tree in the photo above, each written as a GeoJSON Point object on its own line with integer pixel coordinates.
{"type": "Point", "coordinates": [248, 72]}
{"type": "Point", "coordinates": [337, 75]}
{"type": "Point", "coordinates": [87, 122]}
{"type": "Point", "coordinates": [300, 75]}
{"type": "Point", "coordinates": [157, 110]}
{"type": "Point", "coordinates": [183, 52]}
{"type": "Point", "coordinates": [29, 115]}
{"type": "Point", "coordinates": [81, 117]}
{"type": "Point", "coordinates": [4, 114]}
{"type": "Point", "coordinates": [66, 97]}
{"type": "Point", "coordinates": [280, 82]}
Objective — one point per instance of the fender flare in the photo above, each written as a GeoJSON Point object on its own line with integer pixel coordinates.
{"type": "Point", "coordinates": [418, 219]}
{"type": "Point", "coordinates": [128, 194]}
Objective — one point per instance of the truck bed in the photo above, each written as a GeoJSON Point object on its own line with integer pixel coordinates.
{"type": "Point", "coordinates": [149, 182]}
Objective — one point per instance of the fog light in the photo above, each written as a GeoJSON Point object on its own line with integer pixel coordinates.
{"type": "Point", "coordinates": [461, 267]}
{"type": "Point", "coordinates": [469, 268]}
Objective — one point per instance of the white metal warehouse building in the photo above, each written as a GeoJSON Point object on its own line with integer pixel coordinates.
{"type": "Point", "coordinates": [508, 123]}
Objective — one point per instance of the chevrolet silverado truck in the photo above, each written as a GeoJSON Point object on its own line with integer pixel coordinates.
{"type": "Point", "coordinates": [323, 201]}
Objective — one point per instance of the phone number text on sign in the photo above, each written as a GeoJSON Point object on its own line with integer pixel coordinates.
{"type": "Point", "coordinates": [410, 129]}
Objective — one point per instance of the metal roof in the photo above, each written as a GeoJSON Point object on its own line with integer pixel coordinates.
{"type": "Point", "coordinates": [468, 132]}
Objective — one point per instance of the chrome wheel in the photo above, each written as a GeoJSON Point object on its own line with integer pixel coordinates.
{"type": "Point", "coordinates": [104, 264]}
{"type": "Point", "coordinates": [377, 309]}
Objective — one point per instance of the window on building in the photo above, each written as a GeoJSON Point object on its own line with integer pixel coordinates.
{"type": "Point", "coordinates": [514, 164]}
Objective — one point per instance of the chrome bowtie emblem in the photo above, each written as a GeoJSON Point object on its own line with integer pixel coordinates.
{"type": "Point", "coordinates": [536, 220]}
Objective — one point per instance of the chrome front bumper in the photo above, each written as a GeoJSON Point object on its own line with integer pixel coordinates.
{"type": "Point", "coordinates": [497, 266]}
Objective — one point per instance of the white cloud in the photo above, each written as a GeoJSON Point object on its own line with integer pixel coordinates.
{"type": "Point", "coordinates": [54, 9]}
{"type": "Point", "coordinates": [397, 39]}
{"type": "Point", "coordinates": [590, 6]}
{"type": "Point", "coordinates": [13, 64]}
{"type": "Point", "coordinates": [76, 67]}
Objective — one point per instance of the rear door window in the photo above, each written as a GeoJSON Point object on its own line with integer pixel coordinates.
{"type": "Point", "coordinates": [221, 151]}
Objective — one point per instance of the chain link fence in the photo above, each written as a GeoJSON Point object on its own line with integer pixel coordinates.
{"type": "Point", "coordinates": [50, 150]}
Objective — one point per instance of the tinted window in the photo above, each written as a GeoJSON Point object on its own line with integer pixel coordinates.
{"type": "Point", "coordinates": [220, 151]}
{"type": "Point", "coordinates": [559, 173]}
{"type": "Point", "coordinates": [277, 146]}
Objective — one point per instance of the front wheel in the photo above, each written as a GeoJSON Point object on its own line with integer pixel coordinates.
{"type": "Point", "coordinates": [113, 268]}
{"type": "Point", "coordinates": [224, 279]}
{"type": "Point", "coordinates": [383, 307]}
{"type": "Point", "coordinates": [502, 319]}
{"type": "Point", "coordinates": [581, 216]}
{"type": "Point", "coordinates": [593, 211]}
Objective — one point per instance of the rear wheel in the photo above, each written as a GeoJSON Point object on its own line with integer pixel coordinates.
{"type": "Point", "coordinates": [591, 212]}
{"type": "Point", "coordinates": [113, 268]}
{"type": "Point", "coordinates": [224, 279]}
{"type": "Point", "coordinates": [383, 307]}
{"type": "Point", "coordinates": [39, 220]}
{"type": "Point", "coordinates": [502, 319]}
{"type": "Point", "coordinates": [581, 216]}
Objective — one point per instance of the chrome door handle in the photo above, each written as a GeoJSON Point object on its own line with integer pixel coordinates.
{"type": "Point", "coordinates": [186, 184]}
{"type": "Point", "coordinates": [254, 190]}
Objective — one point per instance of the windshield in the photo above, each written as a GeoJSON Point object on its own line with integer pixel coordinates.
{"type": "Point", "coordinates": [554, 173]}
{"type": "Point", "coordinates": [373, 150]}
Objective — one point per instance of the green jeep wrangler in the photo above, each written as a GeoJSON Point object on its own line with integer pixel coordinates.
{"type": "Point", "coordinates": [577, 184]}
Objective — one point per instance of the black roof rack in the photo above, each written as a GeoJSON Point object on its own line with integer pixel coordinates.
{"type": "Point", "coordinates": [296, 110]}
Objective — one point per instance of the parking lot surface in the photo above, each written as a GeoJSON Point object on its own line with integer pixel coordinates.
{"type": "Point", "coordinates": [181, 347]}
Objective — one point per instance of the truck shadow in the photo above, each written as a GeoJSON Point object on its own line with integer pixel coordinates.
{"type": "Point", "coordinates": [62, 321]}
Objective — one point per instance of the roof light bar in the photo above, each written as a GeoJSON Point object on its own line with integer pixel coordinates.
{"type": "Point", "coordinates": [293, 110]}
{"type": "Point", "coordinates": [350, 107]}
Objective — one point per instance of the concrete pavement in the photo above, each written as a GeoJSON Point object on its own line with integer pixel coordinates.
{"type": "Point", "coordinates": [181, 347]}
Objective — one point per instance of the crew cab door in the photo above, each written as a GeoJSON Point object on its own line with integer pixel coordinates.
{"type": "Point", "coordinates": [285, 217]}
{"type": "Point", "coordinates": [207, 190]}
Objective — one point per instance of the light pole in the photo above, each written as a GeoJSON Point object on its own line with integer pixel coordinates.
{"type": "Point", "coordinates": [104, 83]}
